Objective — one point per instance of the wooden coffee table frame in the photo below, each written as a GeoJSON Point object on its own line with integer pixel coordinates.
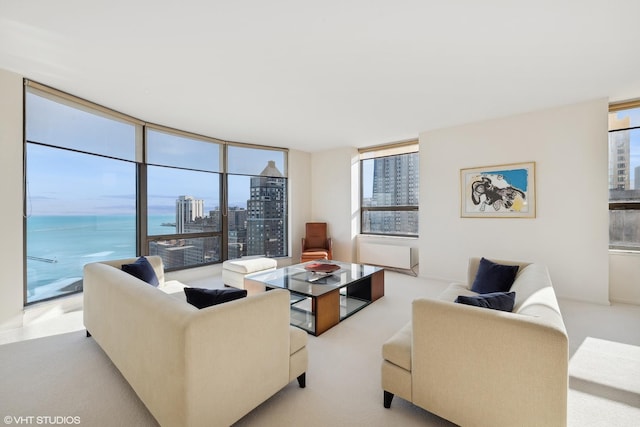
{"type": "Point", "coordinates": [325, 308]}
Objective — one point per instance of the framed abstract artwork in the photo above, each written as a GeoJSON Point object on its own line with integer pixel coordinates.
{"type": "Point", "coordinates": [502, 191]}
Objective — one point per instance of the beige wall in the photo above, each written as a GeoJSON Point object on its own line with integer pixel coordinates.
{"type": "Point", "coordinates": [568, 145]}
{"type": "Point", "coordinates": [335, 197]}
{"type": "Point", "coordinates": [624, 270]}
{"type": "Point", "coordinates": [570, 232]}
{"type": "Point", "coordinates": [11, 261]}
{"type": "Point", "coordinates": [299, 200]}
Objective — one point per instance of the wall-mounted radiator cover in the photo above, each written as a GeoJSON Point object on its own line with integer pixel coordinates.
{"type": "Point", "coordinates": [387, 255]}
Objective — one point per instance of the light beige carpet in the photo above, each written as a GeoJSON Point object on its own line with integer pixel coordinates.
{"type": "Point", "coordinates": [66, 375]}
{"type": "Point", "coordinates": [69, 375]}
{"type": "Point", "coordinates": [604, 378]}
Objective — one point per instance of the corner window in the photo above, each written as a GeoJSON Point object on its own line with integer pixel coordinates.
{"type": "Point", "coordinates": [100, 185]}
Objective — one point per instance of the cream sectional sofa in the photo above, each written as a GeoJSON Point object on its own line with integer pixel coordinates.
{"type": "Point", "coordinates": [481, 367]}
{"type": "Point", "coordinates": [192, 367]}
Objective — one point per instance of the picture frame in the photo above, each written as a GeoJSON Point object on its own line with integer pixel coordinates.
{"type": "Point", "coordinates": [500, 191]}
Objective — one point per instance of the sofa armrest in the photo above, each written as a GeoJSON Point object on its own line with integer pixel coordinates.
{"type": "Point", "coordinates": [485, 367]}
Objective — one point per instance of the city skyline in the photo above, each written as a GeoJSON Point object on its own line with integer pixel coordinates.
{"type": "Point", "coordinates": [633, 137]}
{"type": "Point", "coordinates": [59, 182]}
{"type": "Point", "coordinates": [390, 181]}
{"type": "Point", "coordinates": [260, 229]}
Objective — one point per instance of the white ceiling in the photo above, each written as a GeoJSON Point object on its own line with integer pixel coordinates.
{"type": "Point", "coordinates": [315, 75]}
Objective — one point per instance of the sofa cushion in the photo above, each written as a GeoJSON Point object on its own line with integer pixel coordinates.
{"type": "Point", "coordinates": [397, 349]}
{"type": "Point", "coordinates": [297, 339]}
{"type": "Point", "coordinates": [497, 300]}
{"type": "Point", "coordinates": [493, 277]}
{"type": "Point", "coordinates": [143, 270]}
{"type": "Point", "coordinates": [315, 253]}
{"type": "Point", "coordinates": [202, 298]}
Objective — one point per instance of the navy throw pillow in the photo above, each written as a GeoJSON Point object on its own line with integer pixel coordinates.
{"type": "Point", "coordinates": [202, 298]}
{"type": "Point", "coordinates": [492, 277]}
{"type": "Point", "coordinates": [143, 270]}
{"type": "Point", "coordinates": [497, 300]}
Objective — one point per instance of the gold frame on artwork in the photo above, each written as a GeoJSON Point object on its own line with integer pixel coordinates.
{"type": "Point", "coordinates": [500, 191]}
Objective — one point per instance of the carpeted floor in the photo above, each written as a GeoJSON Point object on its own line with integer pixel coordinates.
{"type": "Point", "coordinates": [604, 379]}
{"type": "Point", "coordinates": [68, 375]}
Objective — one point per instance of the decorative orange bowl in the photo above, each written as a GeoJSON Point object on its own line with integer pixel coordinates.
{"type": "Point", "coordinates": [321, 267]}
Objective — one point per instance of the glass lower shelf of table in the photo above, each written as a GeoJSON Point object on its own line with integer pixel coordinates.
{"type": "Point", "coordinates": [303, 317]}
{"type": "Point", "coordinates": [319, 304]}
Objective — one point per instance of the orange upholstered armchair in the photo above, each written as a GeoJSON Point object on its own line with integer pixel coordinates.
{"type": "Point", "coordinates": [316, 244]}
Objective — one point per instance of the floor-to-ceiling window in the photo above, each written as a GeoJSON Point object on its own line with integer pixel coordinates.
{"type": "Point", "coordinates": [80, 189]}
{"type": "Point", "coordinates": [257, 207]}
{"type": "Point", "coordinates": [184, 225]}
{"type": "Point", "coordinates": [101, 185]}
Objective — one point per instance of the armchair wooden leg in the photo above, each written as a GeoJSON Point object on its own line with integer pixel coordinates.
{"type": "Point", "coordinates": [302, 380]}
{"type": "Point", "coordinates": [388, 397]}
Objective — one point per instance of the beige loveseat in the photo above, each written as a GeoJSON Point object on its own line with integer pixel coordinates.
{"type": "Point", "coordinates": [192, 367]}
{"type": "Point", "coordinates": [481, 367]}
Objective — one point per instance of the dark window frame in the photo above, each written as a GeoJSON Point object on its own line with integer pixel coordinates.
{"type": "Point", "coordinates": [394, 208]}
{"type": "Point", "coordinates": [622, 204]}
{"type": "Point", "coordinates": [142, 237]}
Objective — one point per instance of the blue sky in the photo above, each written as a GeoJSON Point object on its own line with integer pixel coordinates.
{"type": "Point", "coordinates": [62, 182]}
{"type": "Point", "coordinates": [367, 177]}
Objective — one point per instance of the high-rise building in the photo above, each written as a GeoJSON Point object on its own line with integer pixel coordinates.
{"type": "Point", "coordinates": [237, 224]}
{"type": "Point", "coordinates": [394, 180]}
{"type": "Point", "coordinates": [188, 209]}
{"type": "Point", "coordinates": [395, 183]}
{"type": "Point", "coordinates": [237, 218]}
{"type": "Point", "coordinates": [267, 213]}
{"type": "Point", "coordinates": [212, 222]}
{"type": "Point", "coordinates": [619, 154]}
{"type": "Point", "coordinates": [177, 253]}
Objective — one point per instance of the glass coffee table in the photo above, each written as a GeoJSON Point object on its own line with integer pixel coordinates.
{"type": "Point", "coordinates": [321, 300]}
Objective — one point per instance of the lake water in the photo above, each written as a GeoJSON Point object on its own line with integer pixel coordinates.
{"type": "Point", "coordinates": [58, 247]}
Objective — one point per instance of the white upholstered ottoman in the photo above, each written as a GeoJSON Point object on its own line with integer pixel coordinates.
{"type": "Point", "coordinates": [234, 270]}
